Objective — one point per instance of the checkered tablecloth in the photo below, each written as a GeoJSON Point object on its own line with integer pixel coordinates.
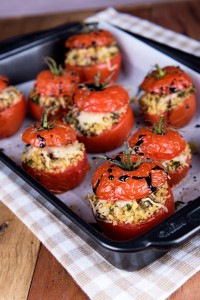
{"type": "Point", "coordinates": [148, 29]}
{"type": "Point", "coordinates": [97, 277]}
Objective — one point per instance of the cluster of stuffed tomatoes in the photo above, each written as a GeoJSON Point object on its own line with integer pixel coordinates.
{"type": "Point", "coordinates": [80, 109]}
{"type": "Point", "coordinates": [81, 102]}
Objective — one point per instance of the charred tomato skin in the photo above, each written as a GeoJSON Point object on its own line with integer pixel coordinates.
{"type": "Point", "coordinates": [12, 118]}
{"type": "Point", "coordinates": [60, 182]}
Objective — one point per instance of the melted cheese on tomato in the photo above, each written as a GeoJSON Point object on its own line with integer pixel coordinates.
{"type": "Point", "coordinates": [179, 161]}
{"type": "Point", "coordinates": [130, 211]}
{"type": "Point", "coordinates": [9, 96]}
{"type": "Point", "coordinates": [53, 159]}
{"type": "Point", "coordinates": [91, 123]}
{"type": "Point", "coordinates": [155, 104]}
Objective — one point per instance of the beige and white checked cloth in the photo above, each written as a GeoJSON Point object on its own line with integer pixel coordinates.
{"type": "Point", "coordinates": [98, 278]}
{"type": "Point", "coordinates": [148, 29]}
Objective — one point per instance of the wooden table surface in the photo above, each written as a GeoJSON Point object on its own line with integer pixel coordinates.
{"type": "Point", "coordinates": [28, 270]}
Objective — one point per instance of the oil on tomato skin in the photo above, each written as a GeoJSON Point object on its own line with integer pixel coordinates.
{"type": "Point", "coordinates": [128, 202]}
{"type": "Point", "coordinates": [12, 108]}
{"type": "Point", "coordinates": [168, 92]}
{"type": "Point", "coordinates": [94, 52]}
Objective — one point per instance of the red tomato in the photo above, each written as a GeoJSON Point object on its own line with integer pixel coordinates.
{"type": "Point", "coordinates": [105, 69]}
{"type": "Point", "coordinates": [123, 232]}
{"type": "Point", "coordinates": [12, 118]}
{"type": "Point", "coordinates": [48, 84]}
{"type": "Point", "coordinates": [178, 117]}
{"type": "Point", "coordinates": [102, 99]}
{"type": "Point", "coordinates": [164, 147]}
{"type": "Point", "coordinates": [167, 81]}
{"type": "Point", "coordinates": [105, 99]}
{"type": "Point", "coordinates": [54, 83]}
{"type": "Point", "coordinates": [136, 184]}
{"type": "Point", "coordinates": [177, 176]}
{"type": "Point", "coordinates": [110, 139]}
{"type": "Point", "coordinates": [112, 183]}
{"type": "Point", "coordinates": [36, 110]}
{"type": "Point", "coordinates": [60, 182]}
{"type": "Point", "coordinates": [3, 82]}
{"type": "Point", "coordinates": [59, 135]}
{"type": "Point", "coordinates": [171, 78]}
{"type": "Point", "coordinates": [95, 38]}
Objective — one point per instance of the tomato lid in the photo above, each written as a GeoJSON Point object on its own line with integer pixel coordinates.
{"type": "Point", "coordinates": [165, 81]}
{"type": "Point", "coordinates": [93, 38]}
{"type": "Point", "coordinates": [48, 84]}
{"type": "Point", "coordinates": [56, 81]}
{"type": "Point", "coordinates": [111, 182]}
{"type": "Point", "coordinates": [105, 99]}
{"type": "Point", "coordinates": [3, 82]}
{"type": "Point", "coordinates": [57, 135]}
{"type": "Point", "coordinates": [164, 146]}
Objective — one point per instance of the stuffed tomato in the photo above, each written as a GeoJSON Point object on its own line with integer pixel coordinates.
{"type": "Point", "coordinates": [167, 146]}
{"type": "Point", "coordinates": [93, 52]}
{"type": "Point", "coordinates": [168, 92]}
{"type": "Point", "coordinates": [12, 108]}
{"type": "Point", "coordinates": [101, 116]}
{"type": "Point", "coordinates": [131, 196]}
{"type": "Point", "coordinates": [53, 156]}
{"type": "Point", "coordinates": [52, 88]}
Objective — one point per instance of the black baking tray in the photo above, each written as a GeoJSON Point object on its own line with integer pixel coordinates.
{"type": "Point", "coordinates": [15, 57]}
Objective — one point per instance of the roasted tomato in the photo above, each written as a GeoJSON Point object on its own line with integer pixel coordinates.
{"type": "Point", "coordinates": [169, 92]}
{"type": "Point", "coordinates": [166, 145]}
{"type": "Point", "coordinates": [12, 108]}
{"type": "Point", "coordinates": [101, 116]}
{"type": "Point", "coordinates": [53, 156]}
{"type": "Point", "coordinates": [53, 88]}
{"type": "Point", "coordinates": [131, 196]}
{"type": "Point", "coordinates": [92, 53]}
